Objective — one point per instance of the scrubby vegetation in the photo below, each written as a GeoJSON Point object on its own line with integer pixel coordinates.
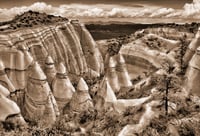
{"type": "Point", "coordinates": [30, 19]}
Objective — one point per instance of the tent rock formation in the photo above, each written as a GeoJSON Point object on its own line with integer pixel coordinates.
{"type": "Point", "coordinates": [62, 87]}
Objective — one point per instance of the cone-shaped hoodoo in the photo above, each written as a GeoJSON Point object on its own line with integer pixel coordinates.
{"type": "Point", "coordinates": [112, 75]}
{"type": "Point", "coordinates": [106, 61]}
{"type": "Point", "coordinates": [81, 99]}
{"type": "Point", "coordinates": [82, 86]}
{"type": "Point", "coordinates": [123, 76]}
{"type": "Point", "coordinates": [105, 96]}
{"type": "Point", "coordinates": [37, 73]}
{"type": "Point", "coordinates": [106, 91]}
{"type": "Point", "coordinates": [62, 87]}
{"type": "Point", "coordinates": [50, 70]}
{"type": "Point", "coordinates": [38, 102]}
{"type": "Point", "coordinates": [49, 61]}
{"type": "Point", "coordinates": [28, 59]}
{"type": "Point", "coordinates": [61, 69]}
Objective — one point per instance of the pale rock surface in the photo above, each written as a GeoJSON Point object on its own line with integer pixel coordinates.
{"type": "Point", "coordinates": [192, 76]}
{"type": "Point", "coordinates": [62, 87]}
{"type": "Point", "coordinates": [4, 91]}
{"type": "Point", "coordinates": [112, 76]}
{"type": "Point", "coordinates": [4, 80]}
{"type": "Point", "coordinates": [38, 103]}
{"type": "Point", "coordinates": [8, 107]}
{"type": "Point", "coordinates": [123, 75]}
{"type": "Point", "coordinates": [144, 121]}
{"type": "Point", "coordinates": [81, 99]}
{"type": "Point", "coordinates": [194, 44]}
{"type": "Point", "coordinates": [70, 43]}
{"type": "Point", "coordinates": [50, 69]}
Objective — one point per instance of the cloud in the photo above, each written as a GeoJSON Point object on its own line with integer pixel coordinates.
{"type": "Point", "coordinates": [78, 10]}
{"type": "Point", "coordinates": [7, 14]}
{"type": "Point", "coordinates": [190, 10]}
{"type": "Point", "coordinates": [162, 12]}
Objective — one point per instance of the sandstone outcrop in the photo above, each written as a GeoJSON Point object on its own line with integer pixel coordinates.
{"type": "Point", "coordinates": [123, 75]}
{"type": "Point", "coordinates": [4, 80]}
{"type": "Point", "coordinates": [70, 43]}
{"type": "Point", "coordinates": [50, 69]}
{"type": "Point", "coordinates": [62, 87]}
{"type": "Point", "coordinates": [106, 99]}
{"type": "Point", "coordinates": [111, 75]}
{"type": "Point", "coordinates": [194, 44]}
{"type": "Point", "coordinates": [149, 114]}
{"type": "Point", "coordinates": [139, 54]}
{"type": "Point", "coordinates": [10, 111]}
{"type": "Point", "coordinates": [168, 44]}
{"type": "Point", "coordinates": [81, 99]}
{"type": "Point", "coordinates": [8, 107]}
{"type": "Point", "coordinates": [31, 47]}
{"type": "Point", "coordinates": [4, 91]}
{"type": "Point", "coordinates": [167, 32]}
{"type": "Point", "coordinates": [105, 95]}
{"type": "Point", "coordinates": [192, 76]}
{"type": "Point", "coordinates": [38, 104]}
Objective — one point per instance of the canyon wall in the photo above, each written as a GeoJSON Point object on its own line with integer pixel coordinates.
{"type": "Point", "coordinates": [66, 42]}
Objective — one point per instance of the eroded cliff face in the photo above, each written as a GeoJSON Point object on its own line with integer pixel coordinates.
{"type": "Point", "coordinates": [26, 58]}
{"type": "Point", "coordinates": [65, 42]}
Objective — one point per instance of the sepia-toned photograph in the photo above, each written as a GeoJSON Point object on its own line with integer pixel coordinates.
{"type": "Point", "coordinates": [99, 68]}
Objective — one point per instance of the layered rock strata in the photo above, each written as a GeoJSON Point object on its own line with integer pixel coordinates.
{"type": "Point", "coordinates": [192, 76]}
{"type": "Point", "coordinates": [38, 104]}
{"type": "Point", "coordinates": [111, 75]}
{"type": "Point", "coordinates": [194, 44]}
{"type": "Point", "coordinates": [64, 41]}
{"type": "Point", "coordinates": [62, 87]}
{"type": "Point", "coordinates": [50, 69]}
{"type": "Point", "coordinates": [123, 76]}
{"type": "Point", "coordinates": [81, 99]}
{"type": "Point", "coordinates": [167, 32]}
{"type": "Point", "coordinates": [28, 56]}
{"type": "Point", "coordinates": [105, 96]}
{"type": "Point", "coordinates": [10, 111]}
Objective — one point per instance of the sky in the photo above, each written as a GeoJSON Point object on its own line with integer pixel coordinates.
{"type": "Point", "coordinates": [165, 9]}
{"type": "Point", "coordinates": [167, 3]}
